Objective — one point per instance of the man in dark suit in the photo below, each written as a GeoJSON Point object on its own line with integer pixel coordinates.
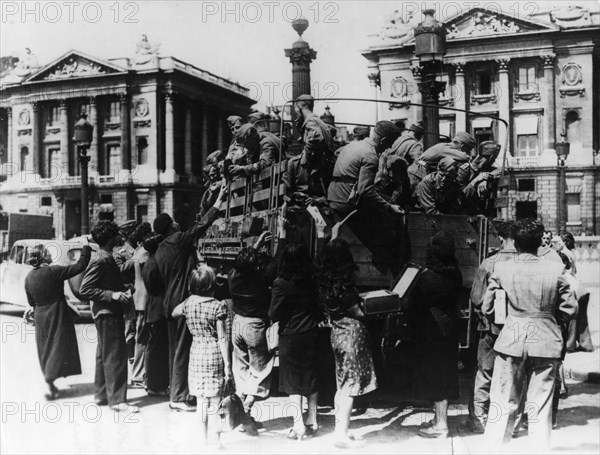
{"type": "Point", "coordinates": [535, 298]}
{"type": "Point", "coordinates": [175, 259]}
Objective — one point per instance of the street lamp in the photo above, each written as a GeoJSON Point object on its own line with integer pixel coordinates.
{"type": "Point", "coordinates": [562, 152]}
{"type": "Point", "coordinates": [82, 139]}
{"type": "Point", "coordinates": [430, 47]}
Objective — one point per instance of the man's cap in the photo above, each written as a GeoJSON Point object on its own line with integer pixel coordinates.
{"type": "Point", "coordinates": [257, 116]}
{"type": "Point", "coordinates": [305, 98]}
{"type": "Point", "coordinates": [442, 245]}
{"type": "Point", "coordinates": [245, 130]}
{"type": "Point", "coordinates": [465, 138]}
{"type": "Point", "coordinates": [162, 223]}
{"type": "Point", "coordinates": [447, 164]}
{"type": "Point", "coordinates": [385, 128]}
{"type": "Point", "coordinates": [361, 131]}
{"type": "Point", "coordinates": [128, 226]}
{"type": "Point", "coordinates": [417, 128]}
{"type": "Point", "coordinates": [489, 148]}
{"type": "Point", "coordinates": [400, 124]}
{"type": "Point", "coordinates": [233, 119]}
{"type": "Point", "coordinates": [396, 164]}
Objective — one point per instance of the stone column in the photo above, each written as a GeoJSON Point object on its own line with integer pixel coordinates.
{"type": "Point", "coordinates": [93, 152]}
{"type": "Point", "coordinates": [188, 139]}
{"type": "Point", "coordinates": [205, 151]}
{"type": "Point", "coordinates": [64, 140]}
{"type": "Point", "coordinates": [375, 82]}
{"type": "Point", "coordinates": [36, 162]}
{"type": "Point", "coordinates": [125, 132]}
{"type": "Point", "coordinates": [549, 110]}
{"type": "Point", "coordinates": [10, 161]}
{"type": "Point", "coordinates": [169, 136]}
{"type": "Point", "coordinates": [417, 110]}
{"type": "Point", "coordinates": [503, 108]}
{"type": "Point", "coordinates": [460, 99]}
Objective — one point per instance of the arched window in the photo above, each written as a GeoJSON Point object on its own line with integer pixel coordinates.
{"type": "Point", "coordinates": [24, 155]}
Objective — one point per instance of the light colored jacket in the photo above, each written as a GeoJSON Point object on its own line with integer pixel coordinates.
{"type": "Point", "coordinates": [538, 298]}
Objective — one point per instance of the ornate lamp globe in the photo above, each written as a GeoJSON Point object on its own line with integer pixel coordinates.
{"type": "Point", "coordinates": [430, 39]}
{"type": "Point", "coordinates": [83, 130]}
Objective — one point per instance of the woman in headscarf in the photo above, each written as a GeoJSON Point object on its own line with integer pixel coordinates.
{"type": "Point", "coordinates": [54, 329]}
{"type": "Point", "coordinates": [434, 305]}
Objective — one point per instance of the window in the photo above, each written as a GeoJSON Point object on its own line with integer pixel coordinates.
{"type": "Point", "coordinates": [142, 146]}
{"type": "Point", "coordinates": [22, 203]}
{"type": "Point", "coordinates": [114, 112]}
{"type": "Point", "coordinates": [113, 154]}
{"type": "Point", "coordinates": [483, 81]}
{"type": "Point", "coordinates": [54, 116]}
{"type": "Point", "coordinates": [447, 93]}
{"type": "Point", "coordinates": [526, 128]}
{"type": "Point", "coordinates": [527, 80]}
{"type": "Point", "coordinates": [17, 253]}
{"type": "Point", "coordinates": [526, 185]}
{"type": "Point", "coordinates": [573, 207]}
{"type": "Point", "coordinates": [526, 209]}
{"type": "Point", "coordinates": [24, 158]}
{"type": "Point", "coordinates": [142, 213]}
{"type": "Point", "coordinates": [106, 199]}
{"type": "Point", "coordinates": [54, 164]}
{"type": "Point", "coordinates": [46, 201]}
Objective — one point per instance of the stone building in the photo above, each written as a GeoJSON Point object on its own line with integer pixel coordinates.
{"type": "Point", "coordinates": [155, 120]}
{"type": "Point", "coordinates": [541, 73]}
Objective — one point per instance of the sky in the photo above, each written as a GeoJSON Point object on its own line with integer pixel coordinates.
{"type": "Point", "coordinates": [241, 41]}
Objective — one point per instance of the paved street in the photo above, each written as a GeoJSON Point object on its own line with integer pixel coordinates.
{"type": "Point", "coordinates": [73, 424]}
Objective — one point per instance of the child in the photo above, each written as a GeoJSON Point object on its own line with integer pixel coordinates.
{"type": "Point", "coordinates": [210, 365]}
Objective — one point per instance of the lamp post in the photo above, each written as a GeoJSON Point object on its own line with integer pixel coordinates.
{"type": "Point", "coordinates": [430, 47]}
{"type": "Point", "coordinates": [562, 152]}
{"type": "Point", "coordinates": [82, 139]}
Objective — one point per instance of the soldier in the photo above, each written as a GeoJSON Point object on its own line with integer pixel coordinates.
{"type": "Point", "coordinates": [477, 177]}
{"type": "Point", "coordinates": [353, 188]}
{"type": "Point", "coordinates": [479, 403]}
{"type": "Point", "coordinates": [361, 132]}
{"type": "Point", "coordinates": [260, 121]}
{"type": "Point", "coordinates": [255, 153]}
{"type": "Point", "coordinates": [316, 135]}
{"type": "Point", "coordinates": [427, 163]}
{"type": "Point", "coordinates": [438, 192]}
{"type": "Point", "coordinates": [408, 145]}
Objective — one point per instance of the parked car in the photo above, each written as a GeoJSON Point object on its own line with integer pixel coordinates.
{"type": "Point", "coordinates": [14, 270]}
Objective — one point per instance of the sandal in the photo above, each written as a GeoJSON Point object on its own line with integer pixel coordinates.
{"type": "Point", "coordinates": [293, 434]}
{"type": "Point", "coordinates": [311, 430]}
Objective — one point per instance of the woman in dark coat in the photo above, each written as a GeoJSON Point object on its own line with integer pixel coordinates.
{"type": "Point", "coordinates": [294, 304]}
{"type": "Point", "coordinates": [355, 370]}
{"type": "Point", "coordinates": [54, 329]}
{"type": "Point", "coordinates": [434, 303]}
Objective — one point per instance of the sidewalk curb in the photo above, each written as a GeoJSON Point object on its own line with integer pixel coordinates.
{"type": "Point", "coordinates": [590, 377]}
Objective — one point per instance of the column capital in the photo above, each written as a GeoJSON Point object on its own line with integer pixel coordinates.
{"type": "Point", "coordinates": [549, 60]}
{"type": "Point", "coordinates": [123, 97]}
{"type": "Point", "coordinates": [9, 111]}
{"type": "Point", "coordinates": [417, 71]}
{"type": "Point", "coordinates": [92, 100]}
{"type": "Point", "coordinates": [62, 104]}
{"type": "Point", "coordinates": [374, 78]}
{"type": "Point", "coordinates": [170, 96]}
{"type": "Point", "coordinates": [301, 55]}
{"type": "Point", "coordinates": [503, 64]}
{"type": "Point", "coordinates": [459, 67]}
{"type": "Point", "coordinates": [35, 106]}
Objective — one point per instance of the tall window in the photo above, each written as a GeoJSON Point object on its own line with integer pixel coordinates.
{"type": "Point", "coordinates": [114, 112]}
{"type": "Point", "coordinates": [54, 116]}
{"type": "Point", "coordinates": [447, 93]}
{"type": "Point", "coordinates": [24, 158]}
{"type": "Point", "coordinates": [527, 79]}
{"type": "Point", "coordinates": [527, 136]}
{"type": "Point", "coordinates": [573, 207]}
{"type": "Point", "coordinates": [54, 164]}
{"type": "Point", "coordinates": [113, 154]}
{"type": "Point", "coordinates": [142, 146]}
{"type": "Point", "coordinates": [483, 81]}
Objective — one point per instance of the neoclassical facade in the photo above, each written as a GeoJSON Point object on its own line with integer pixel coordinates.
{"type": "Point", "coordinates": [155, 120]}
{"type": "Point", "coordinates": [540, 73]}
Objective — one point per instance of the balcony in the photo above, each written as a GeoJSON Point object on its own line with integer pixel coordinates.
{"type": "Point", "coordinates": [523, 161]}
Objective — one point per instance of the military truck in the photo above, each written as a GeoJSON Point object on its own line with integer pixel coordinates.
{"type": "Point", "coordinates": [17, 226]}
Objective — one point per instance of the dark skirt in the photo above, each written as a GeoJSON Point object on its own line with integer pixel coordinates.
{"type": "Point", "coordinates": [298, 355]}
{"type": "Point", "coordinates": [56, 341]}
{"type": "Point", "coordinates": [436, 370]}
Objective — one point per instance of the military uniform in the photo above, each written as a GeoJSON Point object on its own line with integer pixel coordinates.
{"type": "Point", "coordinates": [435, 200]}
{"type": "Point", "coordinates": [316, 136]}
{"type": "Point", "coordinates": [309, 179]}
{"type": "Point", "coordinates": [428, 161]}
{"type": "Point", "coordinates": [407, 147]}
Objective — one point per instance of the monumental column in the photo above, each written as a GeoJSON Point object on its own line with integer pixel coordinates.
{"type": "Point", "coordinates": [300, 55]}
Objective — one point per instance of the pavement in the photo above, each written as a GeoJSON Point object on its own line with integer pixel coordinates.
{"type": "Point", "coordinates": [388, 421]}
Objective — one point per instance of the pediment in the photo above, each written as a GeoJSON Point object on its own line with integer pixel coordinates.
{"type": "Point", "coordinates": [484, 22]}
{"type": "Point", "coordinates": [74, 64]}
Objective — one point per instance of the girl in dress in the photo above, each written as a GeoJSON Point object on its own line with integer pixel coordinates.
{"type": "Point", "coordinates": [210, 364]}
